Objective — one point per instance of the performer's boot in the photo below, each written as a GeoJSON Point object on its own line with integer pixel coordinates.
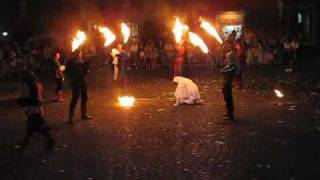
{"type": "Point", "coordinates": [50, 143]}
{"type": "Point", "coordinates": [84, 115]}
{"type": "Point", "coordinates": [71, 113]}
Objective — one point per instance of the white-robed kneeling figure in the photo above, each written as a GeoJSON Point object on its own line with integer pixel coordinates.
{"type": "Point", "coordinates": [187, 91]}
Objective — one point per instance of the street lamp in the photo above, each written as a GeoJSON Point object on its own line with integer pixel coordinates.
{"type": "Point", "coordinates": [4, 33]}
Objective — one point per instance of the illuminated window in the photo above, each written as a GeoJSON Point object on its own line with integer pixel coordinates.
{"type": "Point", "coordinates": [227, 30]}
{"type": "Point", "coordinates": [299, 18]}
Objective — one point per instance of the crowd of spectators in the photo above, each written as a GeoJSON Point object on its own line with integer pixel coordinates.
{"type": "Point", "coordinates": [154, 53]}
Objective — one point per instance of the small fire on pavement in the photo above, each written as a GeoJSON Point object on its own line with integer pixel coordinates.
{"type": "Point", "coordinates": [126, 101]}
{"type": "Point", "coordinates": [278, 93]}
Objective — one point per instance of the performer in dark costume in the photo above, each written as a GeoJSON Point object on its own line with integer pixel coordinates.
{"type": "Point", "coordinates": [76, 70]}
{"type": "Point", "coordinates": [34, 111]}
{"type": "Point", "coordinates": [229, 72]}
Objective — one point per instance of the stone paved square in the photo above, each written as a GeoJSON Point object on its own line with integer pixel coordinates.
{"type": "Point", "coordinates": [156, 140]}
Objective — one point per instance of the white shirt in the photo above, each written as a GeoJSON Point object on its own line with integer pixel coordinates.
{"type": "Point", "coordinates": [115, 53]}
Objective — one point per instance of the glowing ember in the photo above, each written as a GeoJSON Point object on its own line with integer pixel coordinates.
{"type": "Point", "coordinates": [126, 101]}
{"type": "Point", "coordinates": [197, 41]}
{"type": "Point", "coordinates": [78, 40]}
{"type": "Point", "coordinates": [278, 93]}
{"type": "Point", "coordinates": [211, 30]}
{"type": "Point", "coordinates": [125, 31]}
{"type": "Point", "coordinates": [108, 35]}
{"type": "Point", "coordinates": [179, 29]}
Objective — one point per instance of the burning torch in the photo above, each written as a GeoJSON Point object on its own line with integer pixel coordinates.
{"type": "Point", "coordinates": [125, 30]}
{"type": "Point", "coordinates": [197, 41]}
{"type": "Point", "coordinates": [178, 30]}
{"type": "Point", "coordinates": [108, 36]}
{"type": "Point", "coordinates": [210, 29]}
{"type": "Point", "coordinates": [78, 40]}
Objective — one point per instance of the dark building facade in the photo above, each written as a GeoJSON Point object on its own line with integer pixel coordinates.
{"type": "Point", "coordinates": [292, 17]}
{"type": "Point", "coordinates": [302, 17]}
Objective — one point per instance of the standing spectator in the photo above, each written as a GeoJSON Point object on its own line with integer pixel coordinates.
{"type": "Point", "coordinates": [294, 50]}
{"type": "Point", "coordinates": [232, 37]}
{"type": "Point", "coordinates": [58, 72]}
{"type": "Point", "coordinates": [155, 57]}
{"type": "Point", "coordinates": [167, 53]}
{"type": "Point", "coordinates": [124, 57]}
{"type": "Point", "coordinates": [162, 53]}
{"type": "Point", "coordinates": [190, 56]}
{"type": "Point", "coordinates": [46, 56]}
{"type": "Point", "coordinates": [241, 57]}
{"type": "Point", "coordinates": [217, 55]}
{"type": "Point", "coordinates": [142, 57]}
{"type": "Point", "coordinates": [134, 51]}
{"type": "Point", "coordinates": [12, 58]}
{"type": "Point", "coordinates": [148, 54]}
{"type": "Point", "coordinates": [260, 52]}
{"type": "Point", "coordinates": [250, 55]}
{"type": "Point", "coordinates": [286, 51]}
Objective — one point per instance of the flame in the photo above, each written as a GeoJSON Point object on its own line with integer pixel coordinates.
{"type": "Point", "coordinates": [78, 40]}
{"type": "Point", "coordinates": [126, 101]}
{"type": "Point", "coordinates": [108, 35]}
{"type": "Point", "coordinates": [125, 31]}
{"type": "Point", "coordinates": [197, 41]}
{"type": "Point", "coordinates": [211, 30]}
{"type": "Point", "coordinates": [179, 30]}
{"type": "Point", "coordinates": [278, 93]}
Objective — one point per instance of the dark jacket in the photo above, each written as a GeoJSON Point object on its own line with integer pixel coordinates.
{"type": "Point", "coordinates": [35, 96]}
{"type": "Point", "coordinates": [76, 71]}
{"type": "Point", "coordinates": [230, 69]}
{"type": "Point", "coordinates": [228, 72]}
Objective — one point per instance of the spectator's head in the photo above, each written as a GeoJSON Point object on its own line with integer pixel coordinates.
{"type": "Point", "coordinates": [234, 33]}
{"type": "Point", "coordinates": [227, 47]}
{"type": "Point", "coordinates": [56, 55]}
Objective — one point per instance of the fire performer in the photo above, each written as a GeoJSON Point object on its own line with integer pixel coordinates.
{"type": "Point", "coordinates": [115, 53]}
{"type": "Point", "coordinates": [34, 111]}
{"type": "Point", "coordinates": [77, 69]}
{"type": "Point", "coordinates": [229, 71]}
{"type": "Point", "coordinates": [58, 71]}
{"type": "Point", "coordinates": [187, 92]}
{"type": "Point", "coordinates": [179, 59]}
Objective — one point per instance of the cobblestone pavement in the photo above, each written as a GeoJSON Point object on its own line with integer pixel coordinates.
{"type": "Point", "coordinates": [155, 140]}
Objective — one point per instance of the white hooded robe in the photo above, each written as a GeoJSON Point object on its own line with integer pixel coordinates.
{"type": "Point", "coordinates": [187, 92]}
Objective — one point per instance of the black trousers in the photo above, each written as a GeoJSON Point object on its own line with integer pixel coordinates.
{"type": "Point", "coordinates": [76, 93]}
{"type": "Point", "coordinates": [227, 94]}
{"type": "Point", "coordinates": [36, 123]}
{"type": "Point", "coordinates": [59, 84]}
